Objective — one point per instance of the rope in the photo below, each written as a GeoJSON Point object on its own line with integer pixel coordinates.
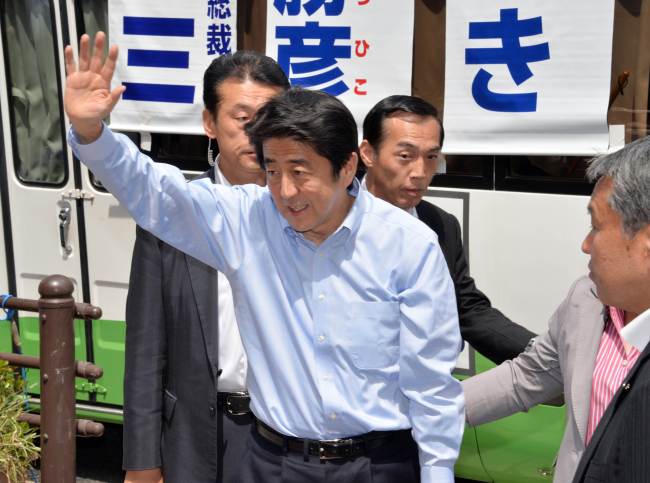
{"type": "Point", "coordinates": [9, 313]}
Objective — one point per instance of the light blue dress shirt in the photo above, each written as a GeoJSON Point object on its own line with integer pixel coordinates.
{"type": "Point", "coordinates": [359, 333]}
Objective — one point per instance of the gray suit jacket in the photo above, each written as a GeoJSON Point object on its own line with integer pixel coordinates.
{"type": "Point", "coordinates": [170, 380]}
{"type": "Point", "coordinates": [562, 360]}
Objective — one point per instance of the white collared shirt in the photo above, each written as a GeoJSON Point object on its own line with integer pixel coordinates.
{"type": "Point", "coordinates": [232, 358]}
{"type": "Point", "coordinates": [411, 211]}
{"type": "Point", "coordinates": [637, 332]}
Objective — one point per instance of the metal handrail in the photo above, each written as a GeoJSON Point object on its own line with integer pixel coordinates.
{"type": "Point", "coordinates": [57, 309]}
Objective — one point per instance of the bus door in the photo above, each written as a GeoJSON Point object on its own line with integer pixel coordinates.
{"type": "Point", "coordinates": [109, 234]}
{"type": "Point", "coordinates": [38, 171]}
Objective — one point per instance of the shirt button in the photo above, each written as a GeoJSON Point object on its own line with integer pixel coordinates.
{"type": "Point", "coordinates": [321, 338]}
{"type": "Point", "coordinates": [327, 378]}
{"type": "Point", "coordinates": [321, 296]}
{"type": "Point", "coordinates": [213, 411]}
{"type": "Point", "coordinates": [624, 363]}
{"type": "Point", "coordinates": [332, 416]}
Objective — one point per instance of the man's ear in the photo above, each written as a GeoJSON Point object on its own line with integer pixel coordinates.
{"type": "Point", "coordinates": [645, 239]}
{"type": "Point", "coordinates": [368, 154]}
{"type": "Point", "coordinates": [209, 124]}
{"type": "Point", "coordinates": [349, 169]}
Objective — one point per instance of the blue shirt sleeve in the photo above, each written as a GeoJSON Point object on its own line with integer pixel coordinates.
{"type": "Point", "coordinates": [205, 220]}
{"type": "Point", "coordinates": [429, 348]}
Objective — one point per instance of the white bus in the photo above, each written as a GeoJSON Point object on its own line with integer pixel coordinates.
{"type": "Point", "coordinates": [523, 218]}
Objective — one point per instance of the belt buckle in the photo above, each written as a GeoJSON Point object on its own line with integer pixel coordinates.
{"type": "Point", "coordinates": [229, 405]}
{"type": "Point", "coordinates": [335, 445]}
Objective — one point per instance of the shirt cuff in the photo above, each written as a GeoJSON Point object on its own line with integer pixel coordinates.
{"type": "Point", "coordinates": [436, 474]}
{"type": "Point", "coordinates": [94, 151]}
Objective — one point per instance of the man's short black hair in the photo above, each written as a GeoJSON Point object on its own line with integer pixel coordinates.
{"type": "Point", "coordinates": [315, 118]}
{"type": "Point", "coordinates": [242, 65]}
{"type": "Point", "coordinates": [373, 124]}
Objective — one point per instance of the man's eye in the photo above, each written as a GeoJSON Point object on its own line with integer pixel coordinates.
{"type": "Point", "coordinates": [269, 172]}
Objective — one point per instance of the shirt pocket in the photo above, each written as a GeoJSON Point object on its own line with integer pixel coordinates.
{"type": "Point", "coordinates": [372, 334]}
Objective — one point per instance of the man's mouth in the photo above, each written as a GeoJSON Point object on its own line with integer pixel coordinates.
{"type": "Point", "coordinates": [414, 191]}
{"type": "Point", "coordinates": [296, 209]}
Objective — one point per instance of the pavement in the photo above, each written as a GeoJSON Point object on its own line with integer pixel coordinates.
{"type": "Point", "coordinates": [99, 460]}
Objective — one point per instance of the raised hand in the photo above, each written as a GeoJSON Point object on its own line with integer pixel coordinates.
{"type": "Point", "coordinates": [88, 97]}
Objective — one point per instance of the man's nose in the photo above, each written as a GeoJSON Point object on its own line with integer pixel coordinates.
{"type": "Point", "coordinates": [586, 244]}
{"type": "Point", "coordinates": [287, 188]}
{"type": "Point", "coordinates": [418, 168]}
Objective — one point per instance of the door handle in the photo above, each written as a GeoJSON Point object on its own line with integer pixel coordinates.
{"type": "Point", "coordinates": [64, 223]}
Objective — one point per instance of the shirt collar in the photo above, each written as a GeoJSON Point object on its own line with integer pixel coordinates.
{"type": "Point", "coordinates": [354, 216]}
{"type": "Point", "coordinates": [364, 186]}
{"type": "Point", "coordinates": [351, 221]}
{"type": "Point", "coordinates": [219, 178]}
{"type": "Point", "coordinates": [637, 332]}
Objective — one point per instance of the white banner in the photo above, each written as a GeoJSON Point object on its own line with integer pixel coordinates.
{"type": "Point", "coordinates": [358, 50]}
{"type": "Point", "coordinates": [528, 77]}
{"type": "Point", "coordinates": [165, 48]}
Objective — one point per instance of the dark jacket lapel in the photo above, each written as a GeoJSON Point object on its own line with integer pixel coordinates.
{"type": "Point", "coordinates": [204, 283]}
{"type": "Point", "coordinates": [601, 429]}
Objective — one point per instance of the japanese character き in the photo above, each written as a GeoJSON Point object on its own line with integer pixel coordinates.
{"type": "Point", "coordinates": [511, 53]}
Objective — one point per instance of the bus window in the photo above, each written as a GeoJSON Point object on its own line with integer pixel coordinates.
{"type": "Point", "coordinates": [543, 174]}
{"type": "Point", "coordinates": [34, 100]}
{"type": "Point", "coordinates": [547, 167]}
{"type": "Point", "coordinates": [467, 171]}
{"type": "Point", "coordinates": [186, 152]}
{"type": "Point", "coordinates": [92, 16]}
{"type": "Point", "coordinates": [465, 165]}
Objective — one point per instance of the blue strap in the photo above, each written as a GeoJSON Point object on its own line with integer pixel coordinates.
{"type": "Point", "coordinates": [9, 313]}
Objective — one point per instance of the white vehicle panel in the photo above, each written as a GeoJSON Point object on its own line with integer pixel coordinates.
{"type": "Point", "coordinates": [524, 248]}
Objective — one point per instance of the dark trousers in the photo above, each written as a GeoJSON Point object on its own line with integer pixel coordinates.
{"type": "Point", "coordinates": [233, 434]}
{"type": "Point", "coordinates": [264, 462]}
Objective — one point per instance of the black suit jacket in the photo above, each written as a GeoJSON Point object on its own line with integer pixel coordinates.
{"type": "Point", "coordinates": [170, 382]}
{"type": "Point", "coordinates": [484, 327]}
{"type": "Point", "coordinates": [619, 450]}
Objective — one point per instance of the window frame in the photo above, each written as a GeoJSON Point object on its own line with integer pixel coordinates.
{"type": "Point", "coordinates": [12, 118]}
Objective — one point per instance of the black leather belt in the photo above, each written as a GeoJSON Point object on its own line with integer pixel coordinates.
{"type": "Point", "coordinates": [234, 403]}
{"type": "Point", "coordinates": [346, 448]}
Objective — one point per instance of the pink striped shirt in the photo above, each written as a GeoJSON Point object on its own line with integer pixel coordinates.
{"type": "Point", "coordinates": [614, 360]}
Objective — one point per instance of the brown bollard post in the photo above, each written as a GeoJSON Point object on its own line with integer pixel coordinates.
{"type": "Point", "coordinates": [58, 426]}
